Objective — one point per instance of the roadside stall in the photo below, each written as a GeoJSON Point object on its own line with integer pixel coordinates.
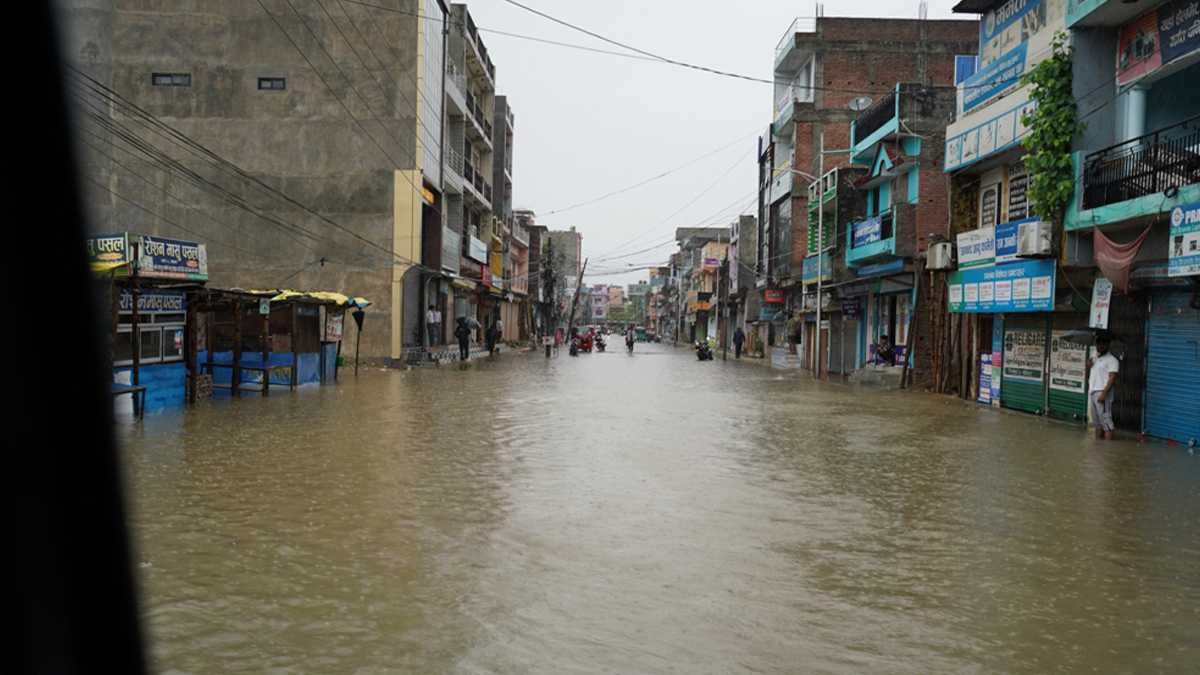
{"type": "Point", "coordinates": [150, 348]}
{"type": "Point", "coordinates": [253, 340]}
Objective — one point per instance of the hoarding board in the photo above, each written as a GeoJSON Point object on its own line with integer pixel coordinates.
{"type": "Point", "coordinates": [1068, 364]}
{"type": "Point", "coordinates": [1024, 355]}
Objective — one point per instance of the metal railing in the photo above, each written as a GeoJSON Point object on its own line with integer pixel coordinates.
{"type": "Point", "coordinates": [457, 77]}
{"type": "Point", "coordinates": [875, 117]}
{"type": "Point", "coordinates": [800, 25]}
{"type": "Point", "coordinates": [1167, 158]}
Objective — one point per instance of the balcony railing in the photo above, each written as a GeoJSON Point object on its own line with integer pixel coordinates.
{"type": "Point", "coordinates": [1167, 158]}
{"type": "Point", "coordinates": [875, 117]}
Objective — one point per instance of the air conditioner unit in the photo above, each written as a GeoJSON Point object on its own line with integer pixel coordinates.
{"type": "Point", "coordinates": [1033, 239]}
{"type": "Point", "coordinates": [941, 256]}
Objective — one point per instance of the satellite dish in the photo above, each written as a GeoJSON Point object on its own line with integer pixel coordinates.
{"type": "Point", "coordinates": [860, 104]}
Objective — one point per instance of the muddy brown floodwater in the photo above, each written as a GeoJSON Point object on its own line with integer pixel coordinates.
{"type": "Point", "coordinates": [653, 514]}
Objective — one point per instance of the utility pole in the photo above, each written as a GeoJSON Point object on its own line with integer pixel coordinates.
{"type": "Point", "coordinates": [575, 300]}
{"type": "Point", "coordinates": [725, 312]}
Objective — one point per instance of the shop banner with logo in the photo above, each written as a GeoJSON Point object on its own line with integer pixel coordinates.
{"type": "Point", "coordinates": [171, 259]}
{"type": "Point", "coordinates": [1068, 364]}
{"type": "Point", "coordinates": [1024, 355]}
{"type": "Point", "coordinates": [1101, 300]}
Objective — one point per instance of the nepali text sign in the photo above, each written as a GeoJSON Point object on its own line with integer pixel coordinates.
{"type": "Point", "coordinates": [868, 231]}
{"type": "Point", "coordinates": [1019, 287]}
{"type": "Point", "coordinates": [170, 259]}
{"type": "Point", "coordinates": [994, 79]}
{"type": "Point", "coordinates": [1184, 258]}
{"type": "Point", "coordinates": [985, 378]}
{"type": "Point", "coordinates": [1024, 355]}
{"type": "Point", "coordinates": [152, 301]}
{"type": "Point", "coordinates": [977, 248]}
{"type": "Point", "coordinates": [108, 249]}
{"type": "Point", "coordinates": [1157, 38]}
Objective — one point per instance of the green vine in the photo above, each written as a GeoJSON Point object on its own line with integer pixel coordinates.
{"type": "Point", "coordinates": [1052, 125]}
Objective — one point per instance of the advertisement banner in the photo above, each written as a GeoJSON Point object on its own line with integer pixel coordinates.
{"type": "Point", "coordinates": [773, 295]}
{"type": "Point", "coordinates": [994, 78]}
{"type": "Point", "coordinates": [852, 308]}
{"type": "Point", "coordinates": [1024, 355]}
{"type": "Point", "coordinates": [1068, 364]}
{"type": "Point", "coordinates": [997, 354]}
{"type": "Point", "coordinates": [171, 259]}
{"type": "Point", "coordinates": [1101, 299]}
{"type": "Point", "coordinates": [977, 248]}
{"type": "Point", "coordinates": [1017, 287]}
{"type": "Point", "coordinates": [985, 378]}
{"type": "Point", "coordinates": [1157, 38]}
{"type": "Point", "coordinates": [1184, 250]}
{"type": "Point", "coordinates": [1006, 240]}
{"type": "Point", "coordinates": [334, 323]}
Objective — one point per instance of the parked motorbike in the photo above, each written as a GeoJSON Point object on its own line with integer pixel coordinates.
{"type": "Point", "coordinates": [573, 349]}
{"type": "Point", "coordinates": [703, 351]}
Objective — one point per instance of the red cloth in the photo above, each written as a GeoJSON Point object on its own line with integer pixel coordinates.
{"type": "Point", "coordinates": [1114, 260]}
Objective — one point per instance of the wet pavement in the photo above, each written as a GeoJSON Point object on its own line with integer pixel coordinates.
{"type": "Point", "coordinates": [653, 514]}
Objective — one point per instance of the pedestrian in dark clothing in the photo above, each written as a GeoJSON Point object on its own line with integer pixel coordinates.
{"type": "Point", "coordinates": [464, 339]}
{"type": "Point", "coordinates": [490, 336]}
{"type": "Point", "coordinates": [739, 339]}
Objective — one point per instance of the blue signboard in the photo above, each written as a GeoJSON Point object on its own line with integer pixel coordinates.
{"type": "Point", "coordinates": [868, 231]}
{"type": "Point", "coordinates": [881, 269]}
{"type": "Point", "coordinates": [810, 269]}
{"type": "Point", "coordinates": [994, 78]}
{"type": "Point", "coordinates": [1006, 240]}
{"type": "Point", "coordinates": [1018, 287]}
{"type": "Point", "coordinates": [152, 301]}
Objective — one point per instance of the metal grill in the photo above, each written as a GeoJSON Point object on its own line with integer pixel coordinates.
{"type": "Point", "coordinates": [1127, 318]}
{"type": "Point", "coordinates": [1167, 158]}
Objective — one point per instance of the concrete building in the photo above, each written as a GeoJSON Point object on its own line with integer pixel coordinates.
{"type": "Point", "coordinates": [303, 148]}
{"type": "Point", "coordinates": [827, 72]}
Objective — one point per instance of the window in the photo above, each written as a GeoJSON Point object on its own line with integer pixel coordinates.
{"type": "Point", "coordinates": [272, 83]}
{"type": "Point", "coordinates": [171, 79]}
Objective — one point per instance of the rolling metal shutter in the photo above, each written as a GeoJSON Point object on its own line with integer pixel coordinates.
{"type": "Point", "coordinates": [1127, 318]}
{"type": "Point", "coordinates": [1068, 390]}
{"type": "Point", "coordinates": [1023, 381]}
{"type": "Point", "coordinates": [1172, 409]}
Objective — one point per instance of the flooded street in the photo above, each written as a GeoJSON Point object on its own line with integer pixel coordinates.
{"type": "Point", "coordinates": [653, 514]}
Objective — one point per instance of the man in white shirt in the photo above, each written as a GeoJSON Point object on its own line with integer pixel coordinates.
{"type": "Point", "coordinates": [1103, 373]}
{"type": "Point", "coordinates": [433, 325]}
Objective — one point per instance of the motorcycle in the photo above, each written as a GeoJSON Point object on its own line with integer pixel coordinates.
{"type": "Point", "coordinates": [600, 343]}
{"type": "Point", "coordinates": [703, 351]}
{"type": "Point", "coordinates": [573, 349]}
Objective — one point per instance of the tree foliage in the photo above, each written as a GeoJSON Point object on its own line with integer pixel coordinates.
{"type": "Point", "coordinates": [1052, 126]}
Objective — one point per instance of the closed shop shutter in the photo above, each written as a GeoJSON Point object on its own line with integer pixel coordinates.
{"type": "Point", "coordinates": [413, 313]}
{"type": "Point", "coordinates": [1127, 318]}
{"type": "Point", "coordinates": [1172, 369]}
{"type": "Point", "coordinates": [1067, 369]}
{"type": "Point", "coordinates": [1024, 364]}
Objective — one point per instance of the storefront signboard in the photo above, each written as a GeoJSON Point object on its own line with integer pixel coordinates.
{"type": "Point", "coordinates": [1024, 355]}
{"type": "Point", "coordinates": [1018, 287]}
{"type": "Point", "coordinates": [108, 250]}
{"type": "Point", "coordinates": [852, 308]}
{"type": "Point", "coordinates": [1184, 258]}
{"type": "Point", "coordinates": [868, 231]}
{"type": "Point", "coordinates": [152, 301]}
{"type": "Point", "coordinates": [810, 269]}
{"type": "Point", "coordinates": [1068, 364]}
{"type": "Point", "coordinates": [171, 259]}
{"type": "Point", "coordinates": [1157, 38]}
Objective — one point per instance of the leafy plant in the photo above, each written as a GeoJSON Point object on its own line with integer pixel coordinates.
{"type": "Point", "coordinates": [1052, 125]}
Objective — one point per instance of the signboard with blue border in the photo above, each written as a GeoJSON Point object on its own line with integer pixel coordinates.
{"type": "Point", "coordinates": [868, 231]}
{"type": "Point", "coordinates": [171, 259]}
{"type": "Point", "coordinates": [1184, 243]}
{"type": "Point", "coordinates": [1018, 287]}
{"type": "Point", "coordinates": [993, 136]}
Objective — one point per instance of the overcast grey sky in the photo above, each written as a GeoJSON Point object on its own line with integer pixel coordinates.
{"type": "Point", "coordinates": [588, 124]}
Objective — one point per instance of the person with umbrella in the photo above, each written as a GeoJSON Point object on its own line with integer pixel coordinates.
{"type": "Point", "coordinates": [463, 333]}
{"type": "Point", "coordinates": [1103, 373]}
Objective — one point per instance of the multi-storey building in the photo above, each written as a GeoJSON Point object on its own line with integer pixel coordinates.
{"type": "Point", "coordinates": [304, 149]}
{"type": "Point", "coordinates": [826, 74]}
{"type": "Point", "coordinates": [1137, 166]}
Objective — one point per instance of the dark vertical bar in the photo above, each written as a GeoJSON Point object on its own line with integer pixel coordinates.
{"type": "Point", "coordinates": [190, 337]}
{"type": "Point", "coordinates": [235, 383]}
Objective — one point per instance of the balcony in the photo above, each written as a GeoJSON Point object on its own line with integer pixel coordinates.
{"type": "Point", "coordinates": [911, 109]}
{"type": "Point", "coordinates": [1157, 162]}
{"type": "Point", "coordinates": [456, 88]}
{"type": "Point", "coordinates": [882, 237]}
{"type": "Point", "coordinates": [456, 167]}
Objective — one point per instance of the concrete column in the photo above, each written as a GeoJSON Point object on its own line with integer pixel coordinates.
{"type": "Point", "coordinates": [1135, 113]}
